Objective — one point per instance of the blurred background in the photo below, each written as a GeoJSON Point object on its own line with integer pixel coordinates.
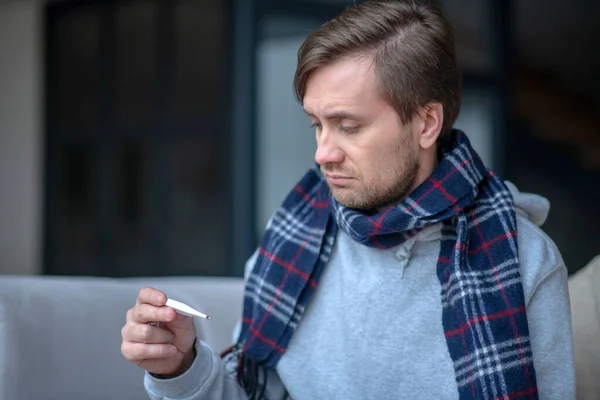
{"type": "Point", "coordinates": [155, 137]}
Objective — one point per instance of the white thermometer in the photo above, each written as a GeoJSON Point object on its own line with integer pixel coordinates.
{"type": "Point", "coordinates": [184, 309]}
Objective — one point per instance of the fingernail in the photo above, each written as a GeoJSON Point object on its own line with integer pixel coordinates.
{"type": "Point", "coordinates": [172, 350]}
{"type": "Point", "coordinates": [159, 299]}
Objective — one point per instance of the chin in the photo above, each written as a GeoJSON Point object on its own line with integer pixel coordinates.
{"type": "Point", "coordinates": [350, 201]}
{"type": "Point", "coordinates": [343, 199]}
{"type": "Point", "coordinates": [361, 203]}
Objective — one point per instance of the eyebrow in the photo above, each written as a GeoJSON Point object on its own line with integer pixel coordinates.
{"type": "Point", "coordinates": [336, 115]}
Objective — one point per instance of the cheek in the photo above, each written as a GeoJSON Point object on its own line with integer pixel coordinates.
{"type": "Point", "coordinates": [393, 161]}
{"type": "Point", "coordinates": [380, 159]}
{"type": "Point", "coordinates": [380, 167]}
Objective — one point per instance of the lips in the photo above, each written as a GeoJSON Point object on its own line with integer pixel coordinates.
{"type": "Point", "coordinates": [338, 180]}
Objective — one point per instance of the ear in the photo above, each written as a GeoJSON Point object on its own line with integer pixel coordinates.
{"type": "Point", "coordinates": [432, 118]}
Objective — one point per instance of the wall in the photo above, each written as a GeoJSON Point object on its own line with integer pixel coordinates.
{"type": "Point", "coordinates": [20, 137]}
{"type": "Point", "coordinates": [285, 144]}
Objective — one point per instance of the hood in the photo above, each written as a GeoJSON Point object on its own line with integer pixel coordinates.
{"type": "Point", "coordinates": [529, 205]}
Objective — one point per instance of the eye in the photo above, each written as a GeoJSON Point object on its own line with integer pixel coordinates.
{"type": "Point", "coordinates": [316, 125]}
{"type": "Point", "coordinates": [348, 129]}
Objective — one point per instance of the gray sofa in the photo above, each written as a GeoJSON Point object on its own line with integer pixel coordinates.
{"type": "Point", "coordinates": [60, 338]}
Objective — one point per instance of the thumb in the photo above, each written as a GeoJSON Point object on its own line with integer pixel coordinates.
{"type": "Point", "coordinates": [182, 322]}
{"type": "Point", "coordinates": [184, 330]}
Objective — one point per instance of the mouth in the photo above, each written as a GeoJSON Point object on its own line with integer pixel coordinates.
{"type": "Point", "coordinates": [337, 180]}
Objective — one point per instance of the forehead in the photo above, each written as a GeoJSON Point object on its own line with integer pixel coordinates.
{"type": "Point", "coordinates": [345, 83]}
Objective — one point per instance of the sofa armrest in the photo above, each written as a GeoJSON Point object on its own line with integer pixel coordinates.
{"type": "Point", "coordinates": [584, 292]}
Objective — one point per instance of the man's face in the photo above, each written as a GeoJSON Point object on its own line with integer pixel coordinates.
{"type": "Point", "coordinates": [370, 159]}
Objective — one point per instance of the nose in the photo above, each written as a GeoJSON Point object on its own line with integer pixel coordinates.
{"type": "Point", "coordinates": [328, 151]}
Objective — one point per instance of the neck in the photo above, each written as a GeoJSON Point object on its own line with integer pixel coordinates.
{"type": "Point", "coordinates": [428, 161]}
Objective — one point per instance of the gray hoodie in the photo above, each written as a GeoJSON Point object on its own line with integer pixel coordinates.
{"type": "Point", "coordinates": [374, 329]}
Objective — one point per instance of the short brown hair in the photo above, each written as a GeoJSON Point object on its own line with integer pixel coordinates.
{"type": "Point", "coordinates": [413, 51]}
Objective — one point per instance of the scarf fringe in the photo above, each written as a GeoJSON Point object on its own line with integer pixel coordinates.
{"type": "Point", "coordinates": [251, 375]}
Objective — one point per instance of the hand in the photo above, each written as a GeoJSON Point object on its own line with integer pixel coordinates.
{"type": "Point", "coordinates": [164, 348]}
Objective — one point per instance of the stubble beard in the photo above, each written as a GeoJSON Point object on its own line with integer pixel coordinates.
{"type": "Point", "coordinates": [372, 198]}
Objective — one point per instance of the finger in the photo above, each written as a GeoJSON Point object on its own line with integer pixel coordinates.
{"type": "Point", "coordinates": [144, 313]}
{"type": "Point", "coordinates": [136, 352]}
{"type": "Point", "coordinates": [149, 295]}
{"type": "Point", "coordinates": [145, 333]}
{"type": "Point", "coordinates": [181, 322]}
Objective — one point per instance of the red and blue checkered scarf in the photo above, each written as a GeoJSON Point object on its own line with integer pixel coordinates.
{"type": "Point", "coordinates": [483, 316]}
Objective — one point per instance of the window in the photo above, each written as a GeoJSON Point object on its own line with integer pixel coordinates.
{"type": "Point", "coordinates": [138, 152]}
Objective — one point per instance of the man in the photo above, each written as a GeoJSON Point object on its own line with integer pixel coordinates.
{"type": "Point", "coordinates": [400, 268]}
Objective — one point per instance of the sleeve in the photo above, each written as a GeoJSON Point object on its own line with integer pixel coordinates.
{"type": "Point", "coordinates": [209, 377]}
{"type": "Point", "coordinates": [549, 318]}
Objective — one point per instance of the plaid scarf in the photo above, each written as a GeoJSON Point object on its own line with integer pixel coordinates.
{"type": "Point", "coordinates": [483, 305]}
